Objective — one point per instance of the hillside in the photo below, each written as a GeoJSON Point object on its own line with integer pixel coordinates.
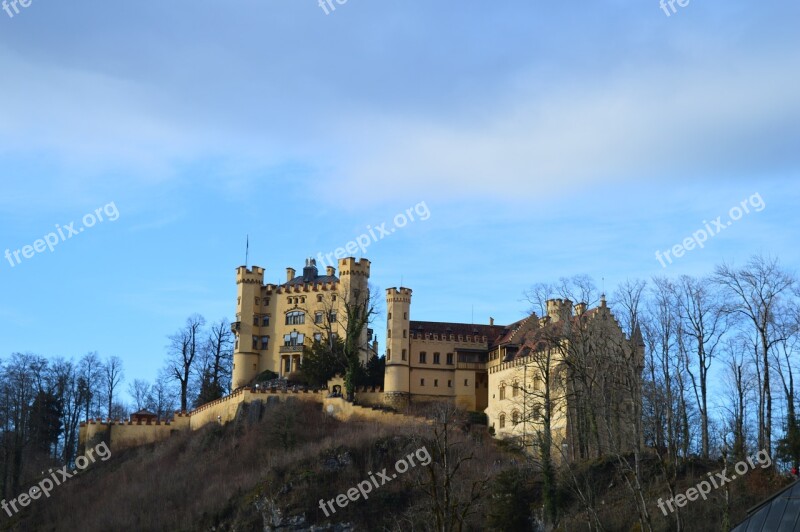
{"type": "Point", "coordinates": [270, 468]}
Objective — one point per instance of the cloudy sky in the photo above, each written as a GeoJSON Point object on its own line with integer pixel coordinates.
{"type": "Point", "coordinates": [544, 139]}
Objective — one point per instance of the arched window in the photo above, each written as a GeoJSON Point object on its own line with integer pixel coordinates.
{"type": "Point", "coordinates": [502, 392]}
{"type": "Point", "coordinates": [515, 389]}
{"type": "Point", "coordinates": [514, 417]}
{"type": "Point", "coordinates": [296, 317]}
{"type": "Point", "coordinates": [502, 421]}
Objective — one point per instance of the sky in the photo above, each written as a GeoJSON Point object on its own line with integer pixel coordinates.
{"type": "Point", "coordinates": [531, 140]}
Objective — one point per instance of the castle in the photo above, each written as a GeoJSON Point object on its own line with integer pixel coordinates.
{"type": "Point", "coordinates": [573, 368]}
{"type": "Point", "coordinates": [275, 321]}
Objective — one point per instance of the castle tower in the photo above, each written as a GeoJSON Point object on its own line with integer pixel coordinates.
{"type": "Point", "coordinates": [354, 282]}
{"type": "Point", "coordinates": [245, 360]}
{"type": "Point", "coordinates": [398, 351]}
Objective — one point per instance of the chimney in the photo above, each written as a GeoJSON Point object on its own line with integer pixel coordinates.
{"type": "Point", "coordinates": [289, 274]}
{"type": "Point", "coordinates": [491, 321]}
{"type": "Point", "coordinates": [330, 271]}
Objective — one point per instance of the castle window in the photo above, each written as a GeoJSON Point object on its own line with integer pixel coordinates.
{"type": "Point", "coordinates": [514, 418]}
{"type": "Point", "coordinates": [238, 301]}
{"type": "Point", "coordinates": [318, 316]}
{"type": "Point", "coordinates": [435, 383]}
{"type": "Point", "coordinates": [255, 342]}
{"type": "Point", "coordinates": [405, 315]}
{"type": "Point", "coordinates": [537, 383]}
{"type": "Point", "coordinates": [449, 359]}
{"type": "Point", "coordinates": [266, 301]}
{"type": "Point", "coordinates": [317, 337]}
{"type": "Point", "coordinates": [466, 382]}
{"type": "Point", "coordinates": [436, 357]}
{"type": "Point", "coordinates": [319, 298]}
{"type": "Point", "coordinates": [449, 384]}
{"type": "Point", "coordinates": [404, 354]}
{"type": "Point", "coordinates": [422, 382]}
{"type": "Point", "coordinates": [423, 357]}
{"type": "Point", "coordinates": [264, 342]}
{"type": "Point", "coordinates": [295, 318]}
{"type": "Point", "coordinates": [265, 321]}
{"type": "Point", "coordinates": [255, 320]}
{"type": "Point", "coordinates": [388, 354]}
{"type": "Point", "coordinates": [537, 413]}
{"type": "Point", "coordinates": [293, 339]}
{"type": "Point", "coordinates": [515, 389]}
{"type": "Point", "coordinates": [502, 421]}
{"type": "Point", "coordinates": [502, 392]}
{"type": "Point", "coordinates": [334, 336]}
{"type": "Point", "coordinates": [390, 316]}
{"type": "Point", "coordinates": [257, 301]}
{"type": "Point", "coordinates": [333, 297]}
{"type": "Point", "coordinates": [333, 317]}
{"type": "Point", "coordinates": [303, 300]}
{"type": "Point", "coordinates": [388, 333]}
{"type": "Point", "coordinates": [236, 343]}
{"type": "Point", "coordinates": [405, 333]}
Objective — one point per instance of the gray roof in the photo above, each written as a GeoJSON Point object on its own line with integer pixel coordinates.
{"type": "Point", "coordinates": [781, 512]}
{"type": "Point", "coordinates": [318, 279]}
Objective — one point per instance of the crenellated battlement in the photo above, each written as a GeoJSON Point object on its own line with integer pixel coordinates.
{"type": "Point", "coordinates": [254, 276]}
{"type": "Point", "coordinates": [398, 295]}
{"type": "Point", "coordinates": [354, 267]}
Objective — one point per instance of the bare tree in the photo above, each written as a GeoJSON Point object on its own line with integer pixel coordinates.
{"type": "Point", "coordinates": [139, 390]}
{"type": "Point", "coordinates": [183, 350]}
{"type": "Point", "coordinates": [112, 376]}
{"type": "Point", "coordinates": [757, 290]}
{"type": "Point", "coordinates": [704, 320]}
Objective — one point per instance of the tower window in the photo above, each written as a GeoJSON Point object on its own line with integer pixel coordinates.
{"type": "Point", "coordinates": [502, 421]}
{"type": "Point", "coordinates": [265, 321]}
{"type": "Point", "coordinates": [502, 392]}
{"type": "Point", "coordinates": [404, 354]}
{"type": "Point", "coordinates": [466, 382]}
{"type": "Point", "coordinates": [405, 315]}
{"type": "Point", "coordinates": [449, 359]}
{"type": "Point", "coordinates": [255, 320]}
{"type": "Point", "coordinates": [388, 354]}
{"type": "Point", "coordinates": [255, 342]}
{"type": "Point", "coordinates": [449, 384]}
{"type": "Point", "coordinates": [423, 358]}
{"type": "Point", "coordinates": [264, 342]}
{"type": "Point", "coordinates": [435, 383]}
{"type": "Point", "coordinates": [388, 333]}
{"type": "Point", "coordinates": [390, 316]}
{"type": "Point", "coordinates": [319, 298]}
{"type": "Point", "coordinates": [436, 358]}
{"type": "Point", "coordinates": [422, 382]}
{"type": "Point", "coordinates": [405, 333]}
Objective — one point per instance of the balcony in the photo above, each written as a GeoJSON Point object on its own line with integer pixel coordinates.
{"type": "Point", "coordinates": [475, 366]}
{"type": "Point", "coordinates": [236, 326]}
{"type": "Point", "coordinates": [291, 348]}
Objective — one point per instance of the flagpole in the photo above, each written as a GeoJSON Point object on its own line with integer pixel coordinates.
{"type": "Point", "coordinates": [247, 252]}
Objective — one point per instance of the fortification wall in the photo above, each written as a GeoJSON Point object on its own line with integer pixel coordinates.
{"type": "Point", "coordinates": [344, 411]}
{"type": "Point", "coordinates": [126, 434]}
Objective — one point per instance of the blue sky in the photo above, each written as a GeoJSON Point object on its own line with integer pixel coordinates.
{"type": "Point", "coordinates": [546, 140]}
